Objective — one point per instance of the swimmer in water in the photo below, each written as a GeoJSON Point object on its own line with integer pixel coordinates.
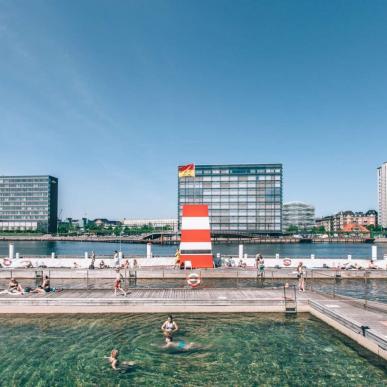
{"type": "Point", "coordinates": [169, 327]}
{"type": "Point", "coordinates": [114, 362]}
{"type": "Point", "coordinates": [182, 345]}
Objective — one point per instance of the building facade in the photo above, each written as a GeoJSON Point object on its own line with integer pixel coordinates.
{"type": "Point", "coordinates": [339, 221]}
{"type": "Point", "coordinates": [299, 215]}
{"type": "Point", "coordinates": [382, 194]}
{"type": "Point", "coordinates": [243, 198]}
{"type": "Point", "coordinates": [28, 203]}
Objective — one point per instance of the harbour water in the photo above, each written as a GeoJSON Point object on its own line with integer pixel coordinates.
{"type": "Point", "coordinates": [360, 250]}
{"type": "Point", "coordinates": [252, 349]}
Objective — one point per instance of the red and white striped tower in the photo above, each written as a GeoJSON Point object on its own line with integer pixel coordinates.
{"type": "Point", "coordinates": [195, 245]}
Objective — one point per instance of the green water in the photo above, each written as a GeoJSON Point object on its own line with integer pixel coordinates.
{"type": "Point", "coordinates": [232, 350]}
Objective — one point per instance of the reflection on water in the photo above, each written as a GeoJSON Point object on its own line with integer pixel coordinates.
{"type": "Point", "coordinates": [231, 350]}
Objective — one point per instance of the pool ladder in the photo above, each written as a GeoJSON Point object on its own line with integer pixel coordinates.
{"type": "Point", "coordinates": [290, 299]}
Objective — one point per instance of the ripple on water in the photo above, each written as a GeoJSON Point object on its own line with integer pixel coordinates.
{"type": "Point", "coordinates": [229, 349]}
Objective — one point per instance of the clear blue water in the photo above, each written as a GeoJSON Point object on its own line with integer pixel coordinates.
{"type": "Point", "coordinates": [229, 350]}
{"type": "Point", "coordinates": [360, 250]}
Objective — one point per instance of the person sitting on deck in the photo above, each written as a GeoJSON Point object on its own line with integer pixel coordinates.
{"type": "Point", "coordinates": [102, 264]}
{"type": "Point", "coordinates": [44, 287]}
{"type": "Point", "coordinates": [242, 264]}
{"type": "Point", "coordinates": [15, 287]}
{"type": "Point", "coordinates": [372, 265]}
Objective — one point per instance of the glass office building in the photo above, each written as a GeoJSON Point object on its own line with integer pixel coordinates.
{"type": "Point", "coordinates": [298, 214]}
{"type": "Point", "coordinates": [28, 203]}
{"type": "Point", "coordinates": [242, 199]}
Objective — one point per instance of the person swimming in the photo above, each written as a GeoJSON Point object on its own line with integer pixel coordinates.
{"type": "Point", "coordinates": [180, 345]}
{"type": "Point", "coordinates": [169, 327]}
{"type": "Point", "coordinates": [115, 363]}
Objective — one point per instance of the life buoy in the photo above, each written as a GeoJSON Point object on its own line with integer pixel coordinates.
{"type": "Point", "coordinates": [7, 262]}
{"type": "Point", "coordinates": [193, 280]}
{"type": "Point", "coordinates": [287, 262]}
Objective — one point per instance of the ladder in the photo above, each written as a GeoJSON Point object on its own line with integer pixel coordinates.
{"type": "Point", "coordinates": [290, 299]}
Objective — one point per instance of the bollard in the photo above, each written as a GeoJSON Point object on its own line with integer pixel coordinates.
{"type": "Point", "coordinates": [86, 255]}
{"type": "Point", "coordinates": [245, 255]}
{"type": "Point", "coordinates": [312, 256]}
{"type": "Point", "coordinates": [120, 255]}
{"type": "Point", "coordinates": [17, 255]}
{"type": "Point", "coordinates": [374, 253]}
{"type": "Point", "coordinates": [240, 251]}
{"type": "Point", "coordinates": [349, 257]}
{"type": "Point", "coordinates": [149, 250]}
{"type": "Point", "coordinates": [11, 250]}
{"type": "Point", "coordinates": [53, 255]}
{"type": "Point", "coordinates": [277, 256]}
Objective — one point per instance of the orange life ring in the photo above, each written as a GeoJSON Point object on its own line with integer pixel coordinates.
{"type": "Point", "coordinates": [287, 262]}
{"type": "Point", "coordinates": [193, 280]}
{"type": "Point", "coordinates": [7, 262]}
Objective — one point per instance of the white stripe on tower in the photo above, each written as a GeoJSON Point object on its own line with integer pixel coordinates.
{"type": "Point", "coordinates": [195, 223]}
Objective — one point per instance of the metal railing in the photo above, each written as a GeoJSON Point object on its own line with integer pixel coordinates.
{"type": "Point", "coordinates": [352, 325]}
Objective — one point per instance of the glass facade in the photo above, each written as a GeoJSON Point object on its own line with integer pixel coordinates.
{"type": "Point", "coordinates": [298, 214]}
{"type": "Point", "coordinates": [28, 203]}
{"type": "Point", "coordinates": [243, 198]}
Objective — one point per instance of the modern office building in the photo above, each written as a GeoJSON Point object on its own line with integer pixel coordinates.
{"type": "Point", "coordinates": [242, 199]}
{"type": "Point", "coordinates": [298, 214]}
{"type": "Point", "coordinates": [382, 194]}
{"type": "Point", "coordinates": [28, 203]}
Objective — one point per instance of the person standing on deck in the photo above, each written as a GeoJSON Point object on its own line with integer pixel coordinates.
{"type": "Point", "coordinates": [117, 283]}
{"type": "Point", "coordinates": [301, 277]}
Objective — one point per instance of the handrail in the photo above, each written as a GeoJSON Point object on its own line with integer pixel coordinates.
{"type": "Point", "coordinates": [352, 325]}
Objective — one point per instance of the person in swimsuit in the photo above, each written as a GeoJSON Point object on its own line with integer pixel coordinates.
{"type": "Point", "coordinates": [169, 327]}
{"type": "Point", "coordinates": [15, 287]}
{"type": "Point", "coordinates": [301, 277]}
{"type": "Point", "coordinates": [114, 362]}
{"type": "Point", "coordinates": [44, 287]}
{"type": "Point", "coordinates": [181, 345]}
{"type": "Point", "coordinates": [117, 283]}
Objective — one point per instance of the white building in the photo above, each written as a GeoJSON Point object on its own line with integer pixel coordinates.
{"type": "Point", "coordinates": [382, 195]}
{"type": "Point", "coordinates": [156, 223]}
{"type": "Point", "coordinates": [298, 214]}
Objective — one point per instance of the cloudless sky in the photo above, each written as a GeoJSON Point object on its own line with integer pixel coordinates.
{"type": "Point", "coordinates": [110, 96]}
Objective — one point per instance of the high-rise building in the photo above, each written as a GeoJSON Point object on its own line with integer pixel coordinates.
{"type": "Point", "coordinates": [382, 194]}
{"type": "Point", "coordinates": [299, 215]}
{"type": "Point", "coordinates": [28, 203]}
{"type": "Point", "coordinates": [242, 198]}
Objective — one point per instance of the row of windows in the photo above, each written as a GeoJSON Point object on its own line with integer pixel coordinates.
{"type": "Point", "coordinates": [20, 217]}
{"type": "Point", "coordinates": [228, 199]}
{"type": "Point", "coordinates": [225, 192]}
{"type": "Point", "coordinates": [251, 227]}
{"type": "Point", "coordinates": [225, 206]}
{"type": "Point", "coordinates": [226, 171]}
{"type": "Point", "coordinates": [260, 178]}
{"type": "Point", "coordinates": [243, 185]}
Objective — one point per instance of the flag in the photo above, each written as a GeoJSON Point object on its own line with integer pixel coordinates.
{"type": "Point", "coordinates": [187, 170]}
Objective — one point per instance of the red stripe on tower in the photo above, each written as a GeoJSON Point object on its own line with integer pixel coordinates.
{"type": "Point", "coordinates": [195, 243]}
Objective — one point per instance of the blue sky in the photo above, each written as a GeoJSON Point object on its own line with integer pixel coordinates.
{"type": "Point", "coordinates": [110, 96]}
